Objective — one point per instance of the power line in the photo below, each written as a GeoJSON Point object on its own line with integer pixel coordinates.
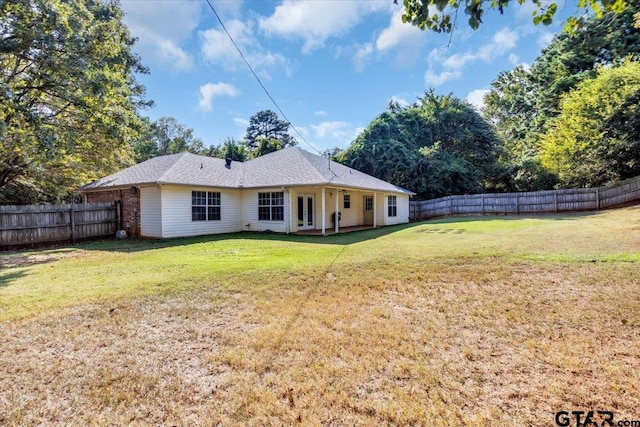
{"type": "Point", "coordinates": [258, 78]}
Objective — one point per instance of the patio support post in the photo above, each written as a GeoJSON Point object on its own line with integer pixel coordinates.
{"type": "Point", "coordinates": [324, 213]}
{"type": "Point", "coordinates": [288, 202]}
{"type": "Point", "coordinates": [375, 210]}
{"type": "Point", "coordinates": [336, 216]}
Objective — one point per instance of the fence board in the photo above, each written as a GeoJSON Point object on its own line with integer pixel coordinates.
{"type": "Point", "coordinates": [24, 225]}
{"type": "Point", "coordinates": [548, 201]}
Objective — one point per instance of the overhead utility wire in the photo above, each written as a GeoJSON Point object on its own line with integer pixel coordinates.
{"type": "Point", "coordinates": [258, 78]}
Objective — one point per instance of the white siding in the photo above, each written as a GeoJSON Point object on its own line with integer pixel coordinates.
{"type": "Point", "coordinates": [349, 217]}
{"type": "Point", "coordinates": [150, 212]}
{"type": "Point", "coordinates": [330, 208]}
{"type": "Point", "coordinates": [402, 203]}
{"type": "Point", "coordinates": [250, 212]}
{"type": "Point", "coordinates": [176, 212]}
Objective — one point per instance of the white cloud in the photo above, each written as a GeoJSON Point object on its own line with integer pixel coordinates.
{"type": "Point", "coordinates": [212, 90]}
{"type": "Point", "coordinates": [432, 79]}
{"type": "Point", "coordinates": [459, 60]}
{"type": "Point", "coordinates": [241, 122]}
{"type": "Point", "coordinates": [399, 34]}
{"type": "Point", "coordinates": [362, 56]}
{"type": "Point", "coordinates": [219, 50]}
{"type": "Point", "coordinates": [315, 21]}
{"type": "Point", "coordinates": [331, 129]}
{"type": "Point", "coordinates": [476, 98]}
{"type": "Point", "coordinates": [172, 54]}
{"type": "Point", "coordinates": [502, 42]}
{"type": "Point", "coordinates": [336, 133]}
{"type": "Point", "coordinates": [401, 39]}
{"type": "Point", "coordinates": [320, 113]}
{"type": "Point", "coordinates": [544, 39]}
{"type": "Point", "coordinates": [399, 100]}
{"type": "Point", "coordinates": [514, 59]}
{"type": "Point", "coordinates": [161, 28]}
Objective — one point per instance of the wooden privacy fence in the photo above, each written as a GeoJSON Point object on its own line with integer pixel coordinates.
{"type": "Point", "coordinates": [32, 224]}
{"type": "Point", "coordinates": [551, 201]}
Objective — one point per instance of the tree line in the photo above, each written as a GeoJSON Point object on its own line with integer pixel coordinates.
{"type": "Point", "coordinates": [71, 110]}
{"type": "Point", "coordinates": [572, 119]}
{"type": "Point", "coordinates": [265, 133]}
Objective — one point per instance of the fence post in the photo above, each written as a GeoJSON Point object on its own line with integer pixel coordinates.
{"type": "Point", "coordinates": [517, 208]}
{"type": "Point", "coordinates": [482, 201]}
{"type": "Point", "coordinates": [555, 200]}
{"type": "Point", "coordinates": [419, 211]}
{"type": "Point", "coordinates": [597, 198]}
{"type": "Point", "coordinates": [73, 222]}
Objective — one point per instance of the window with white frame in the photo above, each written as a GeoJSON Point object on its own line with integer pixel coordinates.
{"type": "Point", "coordinates": [392, 206]}
{"type": "Point", "coordinates": [205, 206]}
{"type": "Point", "coordinates": [271, 206]}
{"type": "Point", "coordinates": [347, 201]}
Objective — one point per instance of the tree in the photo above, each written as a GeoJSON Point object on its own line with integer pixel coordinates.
{"type": "Point", "coordinates": [523, 103]}
{"type": "Point", "coordinates": [594, 139]}
{"type": "Point", "coordinates": [68, 96]}
{"type": "Point", "coordinates": [438, 146]}
{"type": "Point", "coordinates": [234, 150]}
{"type": "Point", "coordinates": [166, 136]}
{"type": "Point", "coordinates": [441, 15]}
{"type": "Point", "coordinates": [266, 133]}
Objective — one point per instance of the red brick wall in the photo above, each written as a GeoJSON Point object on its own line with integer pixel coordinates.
{"type": "Point", "coordinates": [130, 207]}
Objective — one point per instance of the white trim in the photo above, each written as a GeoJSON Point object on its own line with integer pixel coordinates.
{"type": "Point", "coordinates": [375, 210]}
{"type": "Point", "coordinates": [336, 221]}
{"type": "Point", "coordinates": [324, 223]}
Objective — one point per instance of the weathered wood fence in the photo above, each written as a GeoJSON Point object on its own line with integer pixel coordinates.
{"type": "Point", "coordinates": [33, 224]}
{"type": "Point", "coordinates": [551, 201]}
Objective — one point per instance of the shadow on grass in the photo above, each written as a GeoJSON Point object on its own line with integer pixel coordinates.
{"type": "Point", "coordinates": [7, 276]}
{"type": "Point", "coordinates": [136, 245]}
{"type": "Point", "coordinates": [565, 216]}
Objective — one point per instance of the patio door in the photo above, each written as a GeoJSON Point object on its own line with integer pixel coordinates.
{"type": "Point", "coordinates": [306, 212]}
{"type": "Point", "coordinates": [368, 210]}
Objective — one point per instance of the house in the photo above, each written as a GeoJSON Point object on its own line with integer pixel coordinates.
{"type": "Point", "coordinates": [287, 191]}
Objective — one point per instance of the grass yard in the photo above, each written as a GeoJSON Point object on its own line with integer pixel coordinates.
{"type": "Point", "coordinates": [459, 321]}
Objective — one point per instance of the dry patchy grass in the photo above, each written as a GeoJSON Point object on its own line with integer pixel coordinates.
{"type": "Point", "coordinates": [368, 336]}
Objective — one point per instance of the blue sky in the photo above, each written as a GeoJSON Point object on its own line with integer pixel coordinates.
{"type": "Point", "coordinates": [331, 65]}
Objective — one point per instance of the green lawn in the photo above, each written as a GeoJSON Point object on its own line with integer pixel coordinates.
{"type": "Point", "coordinates": [494, 321]}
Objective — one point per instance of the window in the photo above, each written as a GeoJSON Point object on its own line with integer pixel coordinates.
{"type": "Point", "coordinates": [271, 206]}
{"type": "Point", "coordinates": [205, 206]}
{"type": "Point", "coordinates": [347, 201]}
{"type": "Point", "coordinates": [392, 208]}
{"type": "Point", "coordinates": [368, 204]}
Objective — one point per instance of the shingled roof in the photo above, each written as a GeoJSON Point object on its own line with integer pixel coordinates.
{"type": "Point", "coordinates": [289, 167]}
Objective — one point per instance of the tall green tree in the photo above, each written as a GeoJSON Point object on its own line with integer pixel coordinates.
{"type": "Point", "coordinates": [166, 136]}
{"type": "Point", "coordinates": [594, 140]}
{"type": "Point", "coordinates": [234, 150]}
{"type": "Point", "coordinates": [523, 103]}
{"type": "Point", "coordinates": [438, 146]}
{"type": "Point", "coordinates": [441, 15]}
{"type": "Point", "coordinates": [267, 133]}
{"type": "Point", "coordinates": [68, 96]}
